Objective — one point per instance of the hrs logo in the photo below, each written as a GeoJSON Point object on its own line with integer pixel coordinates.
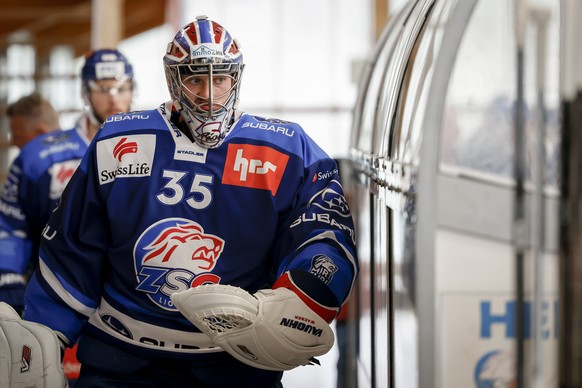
{"type": "Point", "coordinates": [257, 167]}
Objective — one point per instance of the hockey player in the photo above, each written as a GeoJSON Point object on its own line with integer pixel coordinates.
{"type": "Point", "coordinates": [41, 171]}
{"type": "Point", "coordinates": [196, 245]}
{"type": "Point", "coordinates": [30, 116]}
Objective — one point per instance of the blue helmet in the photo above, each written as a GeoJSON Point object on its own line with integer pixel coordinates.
{"type": "Point", "coordinates": [204, 48]}
{"type": "Point", "coordinates": [106, 64]}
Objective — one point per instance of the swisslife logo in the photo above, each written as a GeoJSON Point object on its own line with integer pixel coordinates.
{"type": "Point", "coordinates": [257, 167]}
{"type": "Point", "coordinates": [125, 157]}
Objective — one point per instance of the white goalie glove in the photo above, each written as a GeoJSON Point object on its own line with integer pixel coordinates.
{"type": "Point", "coordinates": [30, 354]}
{"type": "Point", "coordinates": [272, 329]}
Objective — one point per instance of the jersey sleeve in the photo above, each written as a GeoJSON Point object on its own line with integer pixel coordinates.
{"type": "Point", "coordinates": [318, 237]}
{"type": "Point", "coordinates": [66, 288]}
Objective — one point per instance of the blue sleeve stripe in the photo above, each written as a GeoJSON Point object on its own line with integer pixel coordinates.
{"type": "Point", "coordinates": [61, 288]}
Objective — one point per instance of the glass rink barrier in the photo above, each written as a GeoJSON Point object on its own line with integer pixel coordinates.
{"type": "Point", "coordinates": [465, 183]}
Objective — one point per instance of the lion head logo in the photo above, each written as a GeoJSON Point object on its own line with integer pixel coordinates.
{"type": "Point", "coordinates": [172, 255]}
{"type": "Point", "coordinates": [185, 246]}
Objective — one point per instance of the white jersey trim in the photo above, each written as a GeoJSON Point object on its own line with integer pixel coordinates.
{"type": "Point", "coordinates": [122, 327]}
{"type": "Point", "coordinates": [56, 285]}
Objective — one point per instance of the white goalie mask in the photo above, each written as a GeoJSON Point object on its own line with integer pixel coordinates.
{"type": "Point", "coordinates": [203, 67]}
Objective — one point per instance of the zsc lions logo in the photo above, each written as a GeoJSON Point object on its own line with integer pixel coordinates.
{"type": "Point", "coordinates": [174, 255]}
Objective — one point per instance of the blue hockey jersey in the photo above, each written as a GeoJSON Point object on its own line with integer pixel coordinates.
{"type": "Point", "coordinates": [35, 181]}
{"type": "Point", "coordinates": [149, 213]}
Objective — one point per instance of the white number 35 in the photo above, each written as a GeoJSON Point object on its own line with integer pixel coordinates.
{"type": "Point", "coordinates": [198, 197]}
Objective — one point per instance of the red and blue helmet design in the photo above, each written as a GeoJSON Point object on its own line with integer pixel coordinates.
{"type": "Point", "coordinates": [204, 48]}
{"type": "Point", "coordinates": [203, 41]}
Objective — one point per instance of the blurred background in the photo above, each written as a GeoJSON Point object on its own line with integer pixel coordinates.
{"type": "Point", "coordinates": [303, 57]}
{"type": "Point", "coordinates": [303, 62]}
{"type": "Point", "coordinates": [460, 127]}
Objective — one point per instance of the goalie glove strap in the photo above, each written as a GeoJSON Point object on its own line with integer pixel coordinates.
{"type": "Point", "coordinates": [312, 291]}
{"type": "Point", "coordinates": [63, 343]}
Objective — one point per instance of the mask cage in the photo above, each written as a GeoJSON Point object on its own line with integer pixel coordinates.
{"type": "Point", "coordinates": [181, 73]}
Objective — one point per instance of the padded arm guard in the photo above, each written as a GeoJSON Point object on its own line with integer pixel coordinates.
{"type": "Point", "coordinates": [30, 353]}
{"type": "Point", "coordinates": [272, 329]}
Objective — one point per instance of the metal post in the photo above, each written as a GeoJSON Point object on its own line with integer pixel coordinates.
{"type": "Point", "coordinates": [519, 221]}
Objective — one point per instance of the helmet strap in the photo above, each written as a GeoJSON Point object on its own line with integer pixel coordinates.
{"type": "Point", "coordinates": [91, 112]}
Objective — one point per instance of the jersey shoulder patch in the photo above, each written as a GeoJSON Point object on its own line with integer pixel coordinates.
{"type": "Point", "coordinates": [283, 134]}
{"type": "Point", "coordinates": [49, 149]}
{"type": "Point", "coordinates": [132, 121]}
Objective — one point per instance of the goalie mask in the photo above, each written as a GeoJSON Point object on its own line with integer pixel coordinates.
{"type": "Point", "coordinates": [203, 67]}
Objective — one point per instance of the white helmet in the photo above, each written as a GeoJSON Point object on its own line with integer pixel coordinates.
{"type": "Point", "coordinates": [204, 48]}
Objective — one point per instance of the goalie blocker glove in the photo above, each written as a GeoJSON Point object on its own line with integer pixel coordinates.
{"type": "Point", "coordinates": [274, 329]}
{"type": "Point", "coordinates": [30, 353]}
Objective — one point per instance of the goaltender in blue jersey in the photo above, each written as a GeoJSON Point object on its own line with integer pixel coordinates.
{"type": "Point", "coordinates": [192, 206]}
